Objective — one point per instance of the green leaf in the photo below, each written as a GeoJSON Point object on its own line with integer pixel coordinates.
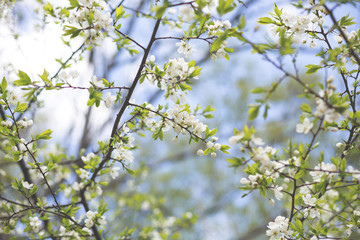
{"type": "Point", "coordinates": [185, 87]}
{"type": "Point", "coordinates": [33, 190]}
{"type": "Point", "coordinates": [299, 174]}
{"type": "Point", "coordinates": [45, 78]}
{"type": "Point", "coordinates": [161, 10]}
{"type": "Point", "coordinates": [265, 20]}
{"type": "Point", "coordinates": [142, 78]}
{"type": "Point", "coordinates": [119, 12]}
{"type": "Point", "coordinates": [72, 31]}
{"type": "Point", "coordinates": [343, 164]}
{"type": "Point", "coordinates": [3, 85]}
{"type": "Point", "coordinates": [229, 50]}
{"type": "Point", "coordinates": [225, 6]}
{"type": "Point", "coordinates": [74, 3]}
{"type": "Point", "coordinates": [235, 162]}
{"type": "Point", "coordinates": [23, 80]}
{"type": "Point", "coordinates": [130, 171]}
{"type": "Point", "coordinates": [210, 133]}
{"type": "Point", "coordinates": [277, 10]}
{"type": "Point", "coordinates": [321, 201]}
{"type": "Point", "coordinates": [21, 107]}
{"type": "Point", "coordinates": [312, 68]}
{"type": "Point", "coordinates": [49, 9]}
{"type": "Point", "coordinates": [253, 112]}
{"type": "Point", "coordinates": [91, 102]}
{"type": "Point", "coordinates": [299, 226]}
{"type": "Point", "coordinates": [217, 43]}
{"type": "Point", "coordinates": [208, 109]}
{"type": "Point", "coordinates": [346, 21]}
{"type": "Point", "coordinates": [44, 135]}
{"type": "Point", "coordinates": [242, 22]}
{"type": "Point", "coordinates": [305, 108]}
{"type": "Point", "coordinates": [158, 134]}
{"type": "Point", "coordinates": [207, 151]}
{"type": "Point", "coordinates": [103, 183]}
{"type": "Point", "coordinates": [224, 149]}
{"type": "Point", "coordinates": [258, 90]}
{"type": "Point", "coordinates": [263, 191]}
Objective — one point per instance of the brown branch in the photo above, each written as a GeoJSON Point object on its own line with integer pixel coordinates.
{"type": "Point", "coordinates": [170, 119]}
{"type": "Point", "coordinates": [125, 103]}
{"type": "Point", "coordinates": [131, 39]}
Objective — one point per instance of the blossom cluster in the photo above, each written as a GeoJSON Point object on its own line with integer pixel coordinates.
{"type": "Point", "coordinates": [173, 78]}
{"type": "Point", "coordinates": [185, 48]}
{"type": "Point", "coordinates": [72, 234]}
{"type": "Point", "coordinates": [177, 117]}
{"type": "Point", "coordinates": [279, 228]}
{"type": "Point", "coordinates": [35, 223]}
{"type": "Point", "coordinates": [217, 26]}
{"type": "Point", "coordinates": [123, 147]}
{"type": "Point", "coordinates": [5, 7]}
{"type": "Point", "coordinates": [323, 110]}
{"type": "Point", "coordinates": [269, 173]}
{"type": "Point", "coordinates": [91, 18]}
{"type": "Point", "coordinates": [298, 26]}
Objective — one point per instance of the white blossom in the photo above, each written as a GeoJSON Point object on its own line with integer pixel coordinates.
{"type": "Point", "coordinates": [14, 97]}
{"type": "Point", "coordinates": [109, 99]}
{"type": "Point", "coordinates": [220, 53]}
{"type": "Point", "coordinates": [89, 223]}
{"type": "Point", "coordinates": [97, 83]}
{"type": "Point", "coordinates": [35, 223]}
{"type": "Point", "coordinates": [339, 145]}
{"type": "Point", "coordinates": [24, 123]}
{"type": "Point", "coordinates": [152, 58]}
{"type": "Point", "coordinates": [233, 140]}
{"type": "Point", "coordinates": [279, 228]}
{"type": "Point", "coordinates": [6, 123]}
{"type": "Point", "coordinates": [209, 144]}
{"type": "Point", "coordinates": [245, 181]}
{"type": "Point", "coordinates": [145, 205]}
{"type": "Point", "coordinates": [84, 174]}
{"type": "Point", "coordinates": [88, 157]}
{"type": "Point", "coordinates": [91, 214]}
{"type": "Point", "coordinates": [257, 140]}
{"type": "Point", "coordinates": [185, 48]}
{"type": "Point", "coordinates": [227, 24]}
{"type": "Point", "coordinates": [338, 39]}
{"type": "Point", "coordinates": [187, 13]}
{"type": "Point", "coordinates": [278, 193]}
{"type": "Point", "coordinates": [304, 127]}
{"type": "Point", "coordinates": [311, 212]}
{"type": "Point", "coordinates": [309, 200]}
{"type": "Point", "coordinates": [114, 172]}
{"type": "Point", "coordinates": [27, 185]}
{"type": "Point", "coordinates": [312, 44]}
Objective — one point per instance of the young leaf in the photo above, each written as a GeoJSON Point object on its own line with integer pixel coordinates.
{"type": "Point", "coordinates": [253, 112]}
{"type": "Point", "coordinates": [44, 135]}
